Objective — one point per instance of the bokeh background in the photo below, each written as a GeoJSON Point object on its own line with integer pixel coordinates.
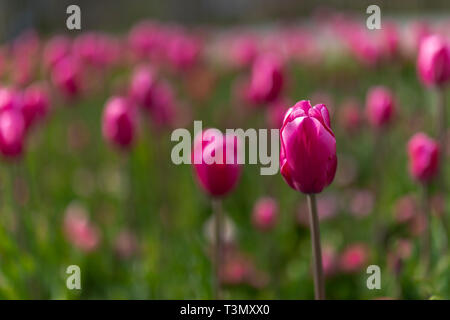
{"type": "Point", "coordinates": [137, 225]}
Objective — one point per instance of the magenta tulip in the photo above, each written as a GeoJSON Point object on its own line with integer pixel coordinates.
{"type": "Point", "coordinates": [265, 213]}
{"type": "Point", "coordinates": [267, 79]}
{"type": "Point", "coordinates": [10, 99]}
{"type": "Point", "coordinates": [308, 148]}
{"type": "Point", "coordinates": [36, 102]}
{"type": "Point", "coordinates": [66, 76]}
{"type": "Point", "coordinates": [12, 133]}
{"type": "Point", "coordinates": [433, 62]}
{"type": "Point", "coordinates": [55, 50]}
{"type": "Point", "coordinates": [118, 122]}
{"type": "Point", "coordinates": [380, 106]}
{"type": "Point", "coordinates": [424, 155]}
{"type": "Point", "coordinates": [142, 86]}
{"type": "Point", "coordinates": [217, 178]}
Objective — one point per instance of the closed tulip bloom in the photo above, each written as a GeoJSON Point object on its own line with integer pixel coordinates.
{"type": "Point", "coordinates": [308, 148]}
{"type": "Point", "coordinates": [380, 106]}
{"type": "Point", "coordinates": [215, 159]}
{"type": "Point", "coordinates": [12, 133]}
{"type": "Point", "coordinates": [266, 79]}
{"type": "Point", "coordinates": [433, 62]}
{"type": "Point", "coordinates": [265, 213]}
{"type": "Point", "coordinates": [36, 102]}
{"type": "Point", "coordinates": [55, 50]}
{"type": "Point", "coordinates": [66, 76]}
{"type": "Point", "coordinates": [423, 157]}
{"type": "Point", "coordinates": [118, 122]}
{"type": "Point", "coordinates": [10, 99]}
{"type": "Point", "coordinates": [142, 86]}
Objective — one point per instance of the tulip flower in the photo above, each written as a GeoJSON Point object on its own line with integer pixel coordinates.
{"type": "Point", "coordinates": [12, 133]}
{"type": "Point", "coordinates": [265, 214]}
{"type": "Point", "coordinates": [36, 102]}
{"type": "Point", "coordinates": [118, 122]}
{"type": "Point", "coordinates": [216, 168]}
{"type": "Point", "coordinates": [142, 86]}
{"type": "Point", "coordinates": [380, 106]}
{"type": "Point", "coordinates": [423, 157]}
{"type": "Point", "coordinates": [267, 79]}
{"type": "Point", "coordinates": [308, 164]}
{"type": "Point", "coordinates": [424, 162]}
{"type": "Point", "coordinates": [55, 50]}
{"type": "Point", "coordinates": [433, 61]}
{"type": "Point", "coordinates": [79, 230]}
{"type": "Point", "coordinates": [354, 258]}
{"type": "Point", "coordinates": [66, 76]}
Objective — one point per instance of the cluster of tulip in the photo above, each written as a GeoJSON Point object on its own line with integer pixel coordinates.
{"type": "Point", "coordinates": [156, 72]}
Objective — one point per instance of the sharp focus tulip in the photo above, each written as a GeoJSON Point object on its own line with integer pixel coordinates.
{"type": "Point", "coordinates": [308, 148]}
{"type": "Point", "coordinates": [266, 79]}
{"type": "Point", "coordinates": [12, 133]}
{"type": "Point", "coordinates": [265, 213]}
{"type": "Point", "coordinates": [35, 104]}
{"type": "Point", "coordinates": [423, 157]}
{"type": "Point", "coordinates": [380, 106]}
{"type": "Point", "coordinates": [217, 178]}
{"type": "Point", "coordinates": [433, 62]}
{"type": "Point", "coordinates": [118, 122]}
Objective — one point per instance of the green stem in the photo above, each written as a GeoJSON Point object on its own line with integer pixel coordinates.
{"type": "Point", "coordinates": [218, 250]}
{"type": "Point", "coordinates": [319, 284]}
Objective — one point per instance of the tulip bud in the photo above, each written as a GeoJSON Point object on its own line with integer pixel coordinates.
{"type": "Point", "coordinates": [55, 50]}
{"type": "Point", "coordinates": [36, 102]}
{"type": "Point", "coordinates": [215, 158]}
{"type": "Point", "coordinates": [266, 79]}
{"type": "Point", "coordinates": [142, 86]}
{"type": "Point", "coordinates": [423, 157]}
{"type": "Point", "coordinates": [12, 133]}
{"type": "Point", "coordinates": [66, 76]}
{"type": "Point", "coordinates": [10, 99]}
{"type": "Point", "coordinates": [433, 61]}
{"type": "Point", "coordinates": [118, 122]}
{"type": "Point", "coordinates": [308, 148]}
{"type": "Point", "coordinates": [265, 213]}
{"type": "Point", "coordinates": [380, 106]}
{"type": "Point", "coordinates": [353, 258]}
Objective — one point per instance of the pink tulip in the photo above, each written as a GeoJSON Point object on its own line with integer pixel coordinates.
{"type": "Point", "coordinates": [265, 213]}
{"type": "Point", "coordinates": [244, 50]}
{"type": "Point", "coordinates": [308, 148]}
{"type": "Point", "coordinates": [12, 133]}
{"type": "Point", "coordinates": [142, 87]}
{"type": "Point", "coordinates": [433, 61]}
{"type": "Point", "coordinates": [354, 258]}
{"type": "Point", "coordinates": [406, 209]}
{"type": "Point", "coordinates": [36, 102]}
{"type": "Point", "coordinates": [329, 261]}
{"type": "Point", "coordinates": [267, 79]}
{"type": "Point", "coordinates": [163, 111]}
{"type": "Point", "coordinates": [10, 99]}
{"type": "Point", "coordinates": [79, 230]}
{"type": "Point", "coordinates": [55, 50]}
{"type": "Point", "coordinates": [66, 76]}
{"type": "Point", "coordinates": [183, 51]}
{"type": "Point", "coordinates": [215, 158]}
{"type": "Point", "coordinates": [119, 122]}
{"type": "Point", "coordinates": [380, 106]}
{"type": "Point", "coordinates": [424, 155]}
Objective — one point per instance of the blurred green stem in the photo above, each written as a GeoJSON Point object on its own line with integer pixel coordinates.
{"type": "Point", "coordinates": [319, 285]}
{"type": "Point", "coordinates": [426, 236]}
{"type": "Point", "coordinates": [218, 262]}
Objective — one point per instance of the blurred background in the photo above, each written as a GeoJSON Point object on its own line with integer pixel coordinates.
{"type": "Point", "coordinates": [139, 227]}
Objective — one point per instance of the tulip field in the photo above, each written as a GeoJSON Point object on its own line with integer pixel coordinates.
{"type": "Point", "coordinates": [88, 178]}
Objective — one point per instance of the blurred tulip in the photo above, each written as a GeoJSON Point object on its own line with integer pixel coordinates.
{"type": "Point", "coordinates": [163, 112]}
{"type": "Point", "coordinates": [380, 106]}
{"type": "Point", "coordinates": [265, 214]}
{"type": "Point", "coordinates": [308, 148]}
{"type": "Point", "coordinates": [406, 208]}
{"type": "Point", "coordinates": [424, 157]}
{"type": "Point", "coordinates": [329, 261]}
{"type": "Point", "coordinates": [349, 116]}
{"type": "Point", "coordinates": [79, 230]}
{"type": "Point", "coordinates": [183, 51]}
{"type": "Point", "coordinates": [12, 133]}
{"type": "Point", "coordinates": [55, 50]}
{"type": "Point", "coordinates": [362, 203]}
{"type": "Point", "coordinates": [36, 102]}
{"type": "Point", "coordinates": [354, 258]}
{"type": "Point", "coordinates": [217, 178]}
{"type": "Point", "coordinates": [66, 76]}
{"type": "Point", "coordinates": [275, 113]}
{"type": "Point", "coordinates": [433, 61]}
{"type": "Point", "coordinates": [10, 99]}
{"type": "Point", "coordinates": [118, 122]}
{"type": "Point", "coordinates": [267, 79]}
{"type": "Point", "coordinates": [125, 244]}
{"type": "Point", "coordinates": [244, 50]}
{"type": "Point", "coordinates": [142, 86]}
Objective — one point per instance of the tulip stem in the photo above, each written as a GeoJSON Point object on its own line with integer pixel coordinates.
{"type": "Point", "coordinates": [217, 286]}
{"type": "Point", "coordinates": [319, 285]}
{"type": "Point", "coordinates": [426, 236]}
